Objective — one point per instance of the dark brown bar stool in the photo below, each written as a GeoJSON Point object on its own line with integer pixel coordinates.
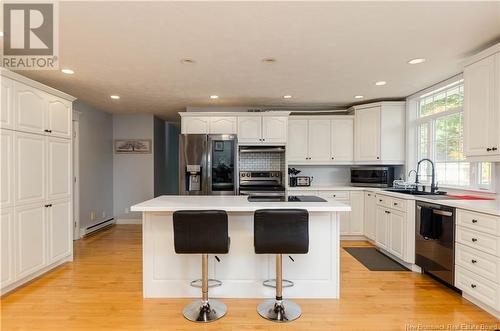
{"type": "Point", "coordinates": [280, 231]}
{"type": "Point", "coordinates": [202, 232]}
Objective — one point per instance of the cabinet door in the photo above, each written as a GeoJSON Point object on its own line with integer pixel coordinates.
{"type": "Point", "coordinates": [345, 221]}
{"type": "Point", "coordinates": [7, 103]}
{"type": "Point", "coordinates": [195, 125]}
{"type": "Point", "coordinates": [367, 140]}
{"type": "Point", "coordinates": [223, 125]}
{"type": "Point", "coordinates": [342, 135]}
{"type": "Point", "coordinates": [319, 140]}
{"type": "Point", "coordinates": [59, 230]}
{"type": "Point", "coordinates": [7, 168]}
{"type": "Point", "coordinates": [397, 222]}
{"type": "Point", "coordinates": [274, 129]}
{"type": "Point", "coordinates": [29, 150]}
{"type": "Point", "coordinates": [480, 115]}
{"type": "Point", "coordinates": [31, 237]}
{"type": "Point", "coordinates": [58, 168]}
{"type": "Point", "coordinates": [357, 206]}
{"type": "Point", "coordinates": [369, 215]}
{"type": "Point", "coordinates": [7, 247]}
{"type": "Point", "coordinates": [297, 140]}
{"type": "Point", "coordinates": [30, 106]}
{"type": "Point", "coordinates": [59, 117]}
{"type": "Point", "coordinates": [249, 129]}
{"type": "Point", "coordinates": [381, 232]}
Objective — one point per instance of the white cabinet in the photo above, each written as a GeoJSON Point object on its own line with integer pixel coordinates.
{"type": "Point", "coordinates": [382, 227]}
{"type": "Point", "coordinates": [29, 168]}
{"type": "Point", "coordinates": [397, 224]}
{"type": "Point", "coordinates": [320, 140]}
{"type": "Point", "coordinates": [380, 133]}
{"type": "Point", "coordinates": [7, 103]}
{"type": "Point", "coordinates": [482, 108]}
{"type": "Point", "coordinates": [59, 182]}
{"type": "Point", "coordinates": [274, 129]}
{"type": "Point", "coordinates": [391, 226]}
{"type": "Point", "coordinates": [59, 117]}
{"type": "Point", "coordinates": [223, 125]}
{"type": "Point", "coordinates": [356, 227]}
{"type": "Point", "coordinates": [6, 247]}
{"type": "Point", "coordinates": [249, 129]}
{"type": "Point", "coordinates": [297, 147]}
{"type": "Point", "coordinates": [30, 108]}
{"type": "Point", "coordinates": [351, 223]}
{"type": "Point", "coordinates": [369, 215]}
{"type": "Point", "coordinates": [195, 125]}
{"type": "Point", "coordinates": [7, 168]}
{"type": "Point", "coordinates": [31, 239]}
{"type": "Point", "coordinates": [59, 230]}
{"type": "Point", "coordinates": [342, 139]}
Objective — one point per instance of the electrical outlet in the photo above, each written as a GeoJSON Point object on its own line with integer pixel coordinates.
{"type": "Point", "coordinates": [92, 216]}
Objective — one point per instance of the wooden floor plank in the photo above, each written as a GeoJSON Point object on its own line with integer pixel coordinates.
{"type": "Point", "coordinates": [102, 290]}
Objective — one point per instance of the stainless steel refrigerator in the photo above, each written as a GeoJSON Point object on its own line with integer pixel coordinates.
{"type": "Point", "coordinates": [208, 164]}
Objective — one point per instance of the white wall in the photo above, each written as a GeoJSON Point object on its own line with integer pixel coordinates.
{"type": "Point", "coordinates": [133, 174]}
{"type": "Point", "coordinates": [95, 164]}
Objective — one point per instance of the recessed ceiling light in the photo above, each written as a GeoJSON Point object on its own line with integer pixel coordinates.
{"type": "Point", "coordinates": [115, 97]}
{"type": "Point", "coordinates": [68, 71]}
{"type": "Point", "coordinates": [269, 60]}
{"type": "Point", "coordinates": [380, 83]}
{"type": "Point", "coordinates": [416, 61]}
{"type": "Point", "coordinates": [214, 97]}
{"type": "Point", "coordinates": [287, 97]}
{"type": "Point", "coordinates": [358, 97]}
{"type": "Point", "coordinates": [188, 61]}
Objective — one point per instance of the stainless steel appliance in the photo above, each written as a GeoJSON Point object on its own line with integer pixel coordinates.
{"type": "Point", "coordinates": [372, 176]}
{"type": "Point", "coordinates": [208, 164]}
{"type": "Point", "coordinates": [263, 184]}
{"type": "Point", "coordinates": [262, 149]}
{"type": "Point", "coordinates": [435, 240]}
{"type": "Point", "coordinates": [303, 181]}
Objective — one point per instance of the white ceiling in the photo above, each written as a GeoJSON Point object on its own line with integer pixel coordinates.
{"type": "Point", "coordinates": [326, 52]}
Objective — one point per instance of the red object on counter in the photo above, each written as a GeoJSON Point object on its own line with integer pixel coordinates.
{"type": "Point", "coordinates": [469, 197]}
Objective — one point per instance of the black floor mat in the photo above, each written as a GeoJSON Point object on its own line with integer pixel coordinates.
{"type": "Point", "coordinates": [371, 258]}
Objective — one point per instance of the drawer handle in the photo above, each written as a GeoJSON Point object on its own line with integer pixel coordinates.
{"type": "Point", "coordinates": [474, 240]}
{"type": "Point", "coordinates": [493, 148]}
{"type": "Point", "coordinates": [473, 261]}
{"type": "Point", "coordinates": [395, 203]}
{"type": "Point", "coordinates": [473, 285]}
{"type": "Point", "coordinates": [47, 130]}
{"type": "Point", "coordinates": [49, 205]}
{"type": "Point", "coordinates": [380, 200]}
{"type": "Point", "coordinates": [488, 149]}
{"type": "Point", "coordinates": [474, 221]}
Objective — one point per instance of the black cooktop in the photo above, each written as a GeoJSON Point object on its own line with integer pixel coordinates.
{"type": "Point", "coordinates": [290, 198]}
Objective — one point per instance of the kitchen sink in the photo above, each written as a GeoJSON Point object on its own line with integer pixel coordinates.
{"type": "Point", "coordinates": [439, 195]}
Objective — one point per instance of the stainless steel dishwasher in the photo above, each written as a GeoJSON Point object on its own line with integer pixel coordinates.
{"type": "Point", "coordinates": [435, 240]}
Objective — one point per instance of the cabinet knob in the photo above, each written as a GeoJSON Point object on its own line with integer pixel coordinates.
{"type": "Point", "coordinates": [333, 158]}
{"type": "Point", "coordinates": [395, 203]}
{"type": "Point", "coordinates": [473, 285]}
{"type": "Point", "coordinates": [473, 261]}
{"type": "Point", "coordinates": [48, 205]}
{"type": "Point", "coordinates": [378, 157]}
{"type": "Point", "coordinates": [474, 221]}
{"type": "Point", "coordinates": [488, 149]}
{"type": "Point", "coordinates": [493, 148]}
{"type": "Point", "coordinates": [474, 240]}
{"type": "Point", "coordinates": [47, 130]}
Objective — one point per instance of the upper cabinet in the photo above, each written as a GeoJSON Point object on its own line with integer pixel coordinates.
{"type": "Point", "coordinates": [262, 129]}
{"type": "Point", "coordinates": [59, 117]}
{"type": "Point", "coordinates": [222, 125]}
{"type": "Point", "coordinates": [320, 139]}
{"type": "Point", "coordinates": [482, 106]}
{"type": "Point", "coordinates": [30, 109]}
{"type": "Point", "coordinates": [274, 129]}
{"type": "Point", "coordinates": [379, 133]}
{"type": "Point", "coordinates": [195, 125]}
{"type": "Point", "coordinates": [249, 129]}
{"type": "Point", "coordinates": [7, 103]}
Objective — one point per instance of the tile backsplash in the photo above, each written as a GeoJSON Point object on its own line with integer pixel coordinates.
{"type": "Point", "coordinates": [261, 161]}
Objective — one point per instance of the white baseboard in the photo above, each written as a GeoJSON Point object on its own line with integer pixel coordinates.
{"type": "Point", "coordinates": [128, 221]}
{"type": "Point", "coordinates": [481, 305]}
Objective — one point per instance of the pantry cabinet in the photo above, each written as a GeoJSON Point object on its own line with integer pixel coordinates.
{"type": "Point", "coordinates": [482, 106]}
{"type": "Point", "coordinates": [379, 133]}
{"type": "Point", "coordinates": [36, 173]}
{"type": "Point", "coordinates": [320, 140]}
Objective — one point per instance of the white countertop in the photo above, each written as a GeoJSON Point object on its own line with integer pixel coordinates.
{"type": "Point", "coordinates": [232, 203]}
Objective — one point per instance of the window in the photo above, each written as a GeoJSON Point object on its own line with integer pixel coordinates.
{"type": "Point", "coordinates": [439, 127]}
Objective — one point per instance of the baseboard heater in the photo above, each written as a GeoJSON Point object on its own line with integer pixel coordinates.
{"type": "Point", "coordinates": [97, 227]}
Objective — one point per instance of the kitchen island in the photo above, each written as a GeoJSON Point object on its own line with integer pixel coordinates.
{"type": "Point", "coordinates": [168, 275]}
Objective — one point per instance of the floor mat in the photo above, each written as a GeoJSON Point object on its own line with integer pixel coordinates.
{"type": "Point", "coordinates": [371, 258]}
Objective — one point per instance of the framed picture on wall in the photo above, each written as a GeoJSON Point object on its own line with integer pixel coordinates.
{"type": "Point", "coordinates": [132, 146]}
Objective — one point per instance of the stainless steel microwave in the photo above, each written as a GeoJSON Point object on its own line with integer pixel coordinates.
{"type": "Point", "coordinates": [372, 176]}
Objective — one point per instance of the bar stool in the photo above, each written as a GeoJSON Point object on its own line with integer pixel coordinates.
{"type": "Point", "coordinates": [280, 231]}
{"type": "Point", "coordinates": [202, 232]}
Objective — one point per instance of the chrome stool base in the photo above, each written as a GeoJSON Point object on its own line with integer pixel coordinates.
{"type": "Point", "coordinates": [203, 312]}
{"type": "Point", "coordinates": [279, 311]}
{"type": "Point", "coordinates": [211, 283]}
{"type": "Point", "coordinates": [272, 283]}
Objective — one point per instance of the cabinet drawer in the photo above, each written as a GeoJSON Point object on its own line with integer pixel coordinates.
{"type": "Point", "coordinates": [478, 287]}
{"type": "Point", "coordinates": [479, 222]}
{"type": "Point", "coordinates": [482, 241]}
{"type": "Point", "coordinates": [383, 200]}
{"type": "Point", "coordinates": [336, 195]}
{"type": "Point", "coordinates": [479, 262]}
{"type": "Point", "coordinates": [398, 204]}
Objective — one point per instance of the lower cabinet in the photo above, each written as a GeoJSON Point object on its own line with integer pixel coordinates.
{"type": "Point", "coordinates": [391, 230]}
{"type": "Point", "coordinates": [369, 215]}
{"type": "Point", "coordinates": [7, 247]}
{"type": "Point", "coordinates": [351, 224]}
{"type": "Point", "coordinates": [382, 225]}
{"type": "Point", "coordinates": [59, 230]}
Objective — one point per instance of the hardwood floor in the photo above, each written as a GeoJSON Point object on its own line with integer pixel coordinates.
{"type": "Point", "coordinates": [102, 290]}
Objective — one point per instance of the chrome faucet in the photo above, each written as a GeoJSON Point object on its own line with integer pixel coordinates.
{"type": "Point", "coordinates": [434, 187]}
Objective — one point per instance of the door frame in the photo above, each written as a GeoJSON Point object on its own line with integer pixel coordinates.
{"type": "Point", "coordinates": [76, 175]}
